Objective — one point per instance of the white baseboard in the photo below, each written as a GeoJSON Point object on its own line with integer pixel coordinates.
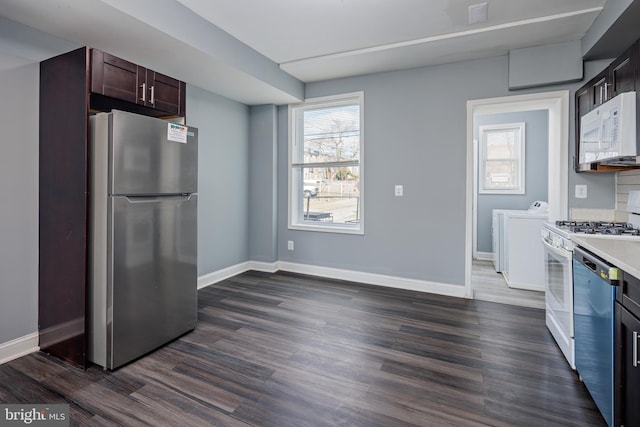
{"type": "Point", "coordinates": [376, 279]}
{"type": "Point", "coordinates": [266, 267]}
{"type": "Point", "coordinates": [18, 347]}
{"type": "Point", "coordinates": [484, 256]}
{"type": "Point", "coordinates": [225, 273]}
{"type": "Point", "coordinates": [335, 273]}
{"type": "Point", "coordinates": [220, 275]}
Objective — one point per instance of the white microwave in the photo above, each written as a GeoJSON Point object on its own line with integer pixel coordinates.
{"type": "Point", "coordinates": [608, 133]}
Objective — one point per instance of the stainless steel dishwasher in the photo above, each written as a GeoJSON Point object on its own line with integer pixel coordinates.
{"type": "Point", "coordinates": [594, 291]}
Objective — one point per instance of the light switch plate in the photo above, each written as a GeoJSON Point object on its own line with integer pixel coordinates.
{"type": "Point", "coordinates": [581, 191]}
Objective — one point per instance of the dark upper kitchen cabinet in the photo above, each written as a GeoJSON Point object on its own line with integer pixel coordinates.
{"type": "Point", "coordinates": [114, 77]}
{"type": "Point", "coordinates": [619, 77]}
{"type": "Point", "coordinates": [622, 73]}
{"type": "Point", "coordinates": [165, 93]}
{"type": "Point", "coordinates": [72, 86]}
{"type": "Point", "coordinates": [584, 101]}
{"type": "Point", "coordinates": [599, 89]}
{"type": "Point", "coordinates": [122, 80]}
{"type": "Point", "coordinates": [588, 97]}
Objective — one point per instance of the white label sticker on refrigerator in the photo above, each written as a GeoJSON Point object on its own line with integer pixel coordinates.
{"type": "Point", "coordinates": [177, 133]}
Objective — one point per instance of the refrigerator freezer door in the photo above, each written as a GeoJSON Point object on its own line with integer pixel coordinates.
{"type": "Point", "coordinates": [147, 156]}
{"type": "Point", "coordinates": [152, 296]}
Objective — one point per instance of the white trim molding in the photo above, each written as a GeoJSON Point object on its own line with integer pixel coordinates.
{"type": "Point", "coordinates": [376, 279]}
{"type": "Point", "coordinates": [18, 347]}
{"type": "Point", "coordinates": [484, 256]}
{"type": "Point", "coordinates": [220, 275]}
{"type": "Point", "coordinates": [265, 267]}
{"type": "Point", "coordinates": [335, 273]}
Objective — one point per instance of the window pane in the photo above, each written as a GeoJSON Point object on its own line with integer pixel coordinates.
{"type": "Point", "coordinates": [501, 174]}
{"type": "Point", "coordinates": [325, 149]}
{"type": "Point", "coordinates": [332, 134]}
{"type": "Point", "coordinates": [501, 163]}
{"type": "Point", "coordinates": [501, 145]}
{"type": "Point", "coordinates": [331, 194]}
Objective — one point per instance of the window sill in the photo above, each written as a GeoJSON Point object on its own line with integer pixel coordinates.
{"type": "Point", "coordinates": [325, 228]}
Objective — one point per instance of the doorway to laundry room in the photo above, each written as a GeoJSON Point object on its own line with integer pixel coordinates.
{"type": "Point", "coordinates": [515, 149]}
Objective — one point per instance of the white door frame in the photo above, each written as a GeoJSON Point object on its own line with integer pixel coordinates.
{"type": "Point", "coordinates": [557, 103]}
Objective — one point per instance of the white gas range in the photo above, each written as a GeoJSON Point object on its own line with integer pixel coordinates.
{"type": "Point", "coordinates": [556, 238]}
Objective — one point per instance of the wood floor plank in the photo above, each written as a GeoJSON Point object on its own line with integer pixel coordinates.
{"type": "Point", "coordinates": [284, 349]}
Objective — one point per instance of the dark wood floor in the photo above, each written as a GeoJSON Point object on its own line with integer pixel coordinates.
{"type": "Point", "coordinates": [292, 350]}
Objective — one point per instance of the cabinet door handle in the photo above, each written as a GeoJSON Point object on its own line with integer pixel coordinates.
{"type": "Point", "coordinates": [635, 349]}
{"type": "Point", "coordinates": [143, 86]}
{"type": "Point", "coordinates": [152, 99]}
{"type": "Point", "coordinates": [600, 95]}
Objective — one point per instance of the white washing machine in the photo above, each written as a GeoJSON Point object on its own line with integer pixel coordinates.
{"type": "Point", "coordinates": [517, 248]}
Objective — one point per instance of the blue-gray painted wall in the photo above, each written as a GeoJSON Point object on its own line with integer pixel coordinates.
{"type": "Point", "coordinates": [263, 188]}
{"type": "Point", "coordinates": [19, 188]}
{"type": "Point", "coordinates": [536, 169]}
{"type": "Point", "coordinates": [223, 178]}
{"type": "Point", "coordinates": [415, 135]}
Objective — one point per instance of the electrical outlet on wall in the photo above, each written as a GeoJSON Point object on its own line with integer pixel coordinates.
{"type": "Point", "coordinates": [290, 245]}
{"type": "Point", "coordinates": [399, 190]}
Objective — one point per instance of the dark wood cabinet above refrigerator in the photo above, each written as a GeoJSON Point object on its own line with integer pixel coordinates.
{"type": "Point", "coordinates": [71, 87]}
{"type": "Point", "coordinates": [153, 93]}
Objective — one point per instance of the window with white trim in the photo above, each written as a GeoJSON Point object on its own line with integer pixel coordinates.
{"type": "Point", "coordinates": [325, 164]}
{"type": "Point", "coordinates": [501, 159]}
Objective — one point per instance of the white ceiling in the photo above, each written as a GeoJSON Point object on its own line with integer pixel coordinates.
{"type": "Point", "coordinates": [309, 40]}
{"type": "Point", "coordinates": [318, 40]}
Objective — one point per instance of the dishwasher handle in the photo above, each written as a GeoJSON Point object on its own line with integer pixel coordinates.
{"type": "Point", "coordinates": [601, 268]}
{"type": "Point", "coordinates": [590, 265]}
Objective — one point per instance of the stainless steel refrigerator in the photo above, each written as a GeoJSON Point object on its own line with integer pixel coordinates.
{"type": "Point", "coordinates": [143, 234]}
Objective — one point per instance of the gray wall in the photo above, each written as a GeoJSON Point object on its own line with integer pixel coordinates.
{"type": "Point", "coordinates": [415, 135]}
{"type": "Point", "coordinates": [223, 178]}
{"type": "Point", "coordinates": [19, 189]}
{"type": "Point", "coordinates": [263, 176]}
{"type": "Point", "coordinates": [536, 169]}
{"type": "Point", "coordinates": [566, 57]}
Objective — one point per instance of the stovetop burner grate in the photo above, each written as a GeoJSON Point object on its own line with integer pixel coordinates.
{"type": "Point", "coordinates": [599, 227]}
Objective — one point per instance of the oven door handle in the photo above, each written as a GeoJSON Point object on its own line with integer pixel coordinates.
{"type": "Point", "coordinates": [558, 251]}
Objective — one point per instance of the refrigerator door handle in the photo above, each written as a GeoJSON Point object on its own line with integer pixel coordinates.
{"type": "Point", "coordinates": [156, 199]}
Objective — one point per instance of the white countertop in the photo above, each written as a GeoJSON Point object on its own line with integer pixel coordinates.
{"type": "Point", "coordinates": [624, 253]}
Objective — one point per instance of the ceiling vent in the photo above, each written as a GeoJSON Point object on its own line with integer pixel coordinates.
{"type": "Point", "coordinates": [478, 13]}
